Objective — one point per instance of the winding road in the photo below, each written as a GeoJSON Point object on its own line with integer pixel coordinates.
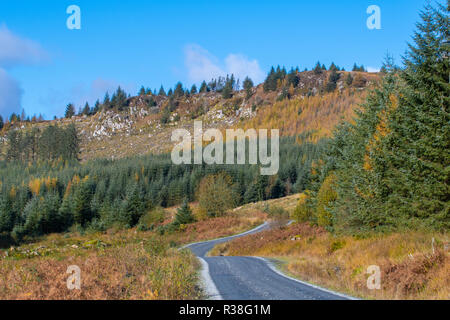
{"type": "Point", "coordinates": [252, 278]}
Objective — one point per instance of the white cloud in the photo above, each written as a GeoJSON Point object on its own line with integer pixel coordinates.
{"type": "Point", "coordinates": [202, 65]}
{"type": "Point", "coordinates": [96, 90]}
{"type": "Point", "coordinates": [15, 51]}
{"type": "Point", "coordinates": [18, 51]}
{"type": "Point", "coordinates": [10, 95]}
{"type": "Point", "coordinates": [372, 69]}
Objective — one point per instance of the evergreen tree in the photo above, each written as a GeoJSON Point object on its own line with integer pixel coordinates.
{"type": "Point", "coordinates": [82, 203]}
{"type": "Point", "coordinates": [107, 102]}
{"type": "Point", "coordinates": [293, 78]}
{"type": "Point", "coordinates": [318, 68]}
{"type": "Point", "coordinates": [194, 89]}
{"type": "Point", "coordinates": [96, 107]}
{"type": "Point", "coordinates": [203, 87]}
{"type": "Point", "coordinates": [417, 146]}
{"type": "Point", "coordinates": [142, 91]}
{"type": "Point", "coordinates": [248, 86]}
{"type": "Point", "coordinates": [179, 91]}
{"type": "Point", "coordinates": [86, 109]}
{"type": "Point", "coordinates": [332, 80]}
{"type": "Point", "coordinates": [227, 91]}
{"type": "Point", "coordinates": [1, 123]}
{"type": "Point", "coordinates": [162, 92]}
{"type": "Point", "coordinates": [70, 111]}
{"type": "Point", "coordinates": [184, 214]}
{"type": "Point", "coordinates": [349, 80]}
{"type": "Point", "coordinates": [119, 99]}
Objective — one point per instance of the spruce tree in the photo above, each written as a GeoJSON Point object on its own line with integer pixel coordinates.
{"type": "Point", "coordinates": [194, 89]}
{"type": "Point", "coordinates": [1, 123]}
{"type": "Point", "coordinates": [184, 214]}
{"type": "Point", "coordinates": [417, 146]}
{"type": "Point", "coordinates": [248, 86]}
{"type": "Point", "coordinates": [203, 87]}
{"type": "Point", "coordinates": [162, 92]}
{"type": "Point", "coordinates": [86, 109]}
{"type": "Point", "coordinates": [70, 111]}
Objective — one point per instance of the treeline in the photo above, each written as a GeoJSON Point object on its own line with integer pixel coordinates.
{"type": "Point", "coordinates": [53, 196]}
{"type": "Point", "coordinates": [390, 168]}
{"type": "Point", "coordinates": [49, 144]}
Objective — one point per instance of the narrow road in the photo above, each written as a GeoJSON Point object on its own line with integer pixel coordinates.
{"type": "Point", "coordinates": [252, 278]}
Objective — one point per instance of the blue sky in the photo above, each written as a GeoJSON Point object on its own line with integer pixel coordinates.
{"type": "Point", "coordinates": [44, 65]}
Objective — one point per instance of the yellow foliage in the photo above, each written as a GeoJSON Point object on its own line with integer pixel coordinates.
{"type": "Point", "coordinates": [35, 186]}
{"type": "Point", "coordinates": [13, 192]}
{"type": "Point", "coordinates": [318, 114]}
{"type": "Point", "coordinates": [302, 212]}
{"type": "Point", "coordinates": [325, 196]}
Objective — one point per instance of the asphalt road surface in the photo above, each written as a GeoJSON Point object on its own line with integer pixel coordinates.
{"type": "Point", "coordinates": [252, 278]}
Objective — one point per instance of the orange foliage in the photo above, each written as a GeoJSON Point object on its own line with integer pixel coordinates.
{"type": "Point", "coordinates": [318, 114]}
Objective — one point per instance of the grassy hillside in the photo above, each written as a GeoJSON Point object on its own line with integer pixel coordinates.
{"type": "Point", "coordinates": [138, 129]}
{"type": "Point", "coordinates": [412, 264]}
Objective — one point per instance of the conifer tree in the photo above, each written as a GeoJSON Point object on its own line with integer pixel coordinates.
{"type": "Point", "coordinates": [162, 92]}
{"type": "Point", "coordinates": [203, 87]}
{"type": "Point", "coordinates": [184, 214]}
{"type": "Point", "coordinates": [70, 111]}
{"type": "Point", "coordinates": [248, 86]}
{"type": "Point", "coordinates": [87, 109]}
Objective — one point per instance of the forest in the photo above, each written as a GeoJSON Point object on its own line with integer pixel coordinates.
{"type": "Point", "coordinates": [388, 169]}
{"type": "Point", "coordinates": [56, 194]}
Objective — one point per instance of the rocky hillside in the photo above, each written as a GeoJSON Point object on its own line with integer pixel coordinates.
{"type": "Point", "coordinates": [141, 129]}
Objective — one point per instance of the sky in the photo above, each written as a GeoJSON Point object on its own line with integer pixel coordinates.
{"type": "Point", "coordinates": [44, 65]}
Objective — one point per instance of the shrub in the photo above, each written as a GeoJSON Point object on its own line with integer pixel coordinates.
{"type": "Point", "coordinates": [325, 196]}
{"type": "Point", "coordinates": [302, 212]}
{"type": "Point", "coordinates": [215, 195]}
{"type": "Point", "coordinates": [151, 218]}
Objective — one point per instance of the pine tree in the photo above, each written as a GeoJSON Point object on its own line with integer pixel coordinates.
{"type": "Point", "coordinates": [86, 109]}
{"type": "Point", "coordinates": [70, 111]}
{"type": "Point", "coordinates": [332, 80]}
{"type": "Point", "coordinates": [248, 86]}
{"type": "Point", "coordinates": [349, 80]}
{"type": "Point", "coordinates": [417, 147]}
{"type": "Point", "coordinates": [203, 87]}
{"type": "Point", "coordinates": [184, 214]}
{"type": "Point", "coordinates": [318, 68]}
{"type": "Point", "coordinates": [179, 91]}
{"type": "Point", "coordinates": [1, 122]}
{"type": "Point", "coordinates": [194, 89]}
{"type": "Point", "coordinates": [162, 92]}
{"type": "Point", "coordinates": [107, 102]}
{"type": "Point", "coordinates": [142, 91]}
{"type": "Point", "coordinates": [227, 91]}
{"type": "Point", "coordinates": [96, 107]}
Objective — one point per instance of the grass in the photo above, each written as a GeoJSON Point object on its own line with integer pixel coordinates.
{"type": "Point", "coordinates": [117, 264]}
{"type": "Point", "coordinates": [124, 265]}
{"type": "Point", "coordinates": [409, 267]}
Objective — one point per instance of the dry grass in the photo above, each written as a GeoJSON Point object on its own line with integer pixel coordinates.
{"type": "Point", "coordinates": [410, 269]}
{"type": "Point", "coordinates": [117, 264]}
{"type": "Point", "coordinates": [125, 265]}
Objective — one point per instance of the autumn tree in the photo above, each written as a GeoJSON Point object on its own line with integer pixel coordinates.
{"type": "Point", "coordinates": [215, 195]}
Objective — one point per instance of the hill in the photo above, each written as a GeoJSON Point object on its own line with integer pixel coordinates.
{"type": "Point", "coordinates": [145, 124]}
